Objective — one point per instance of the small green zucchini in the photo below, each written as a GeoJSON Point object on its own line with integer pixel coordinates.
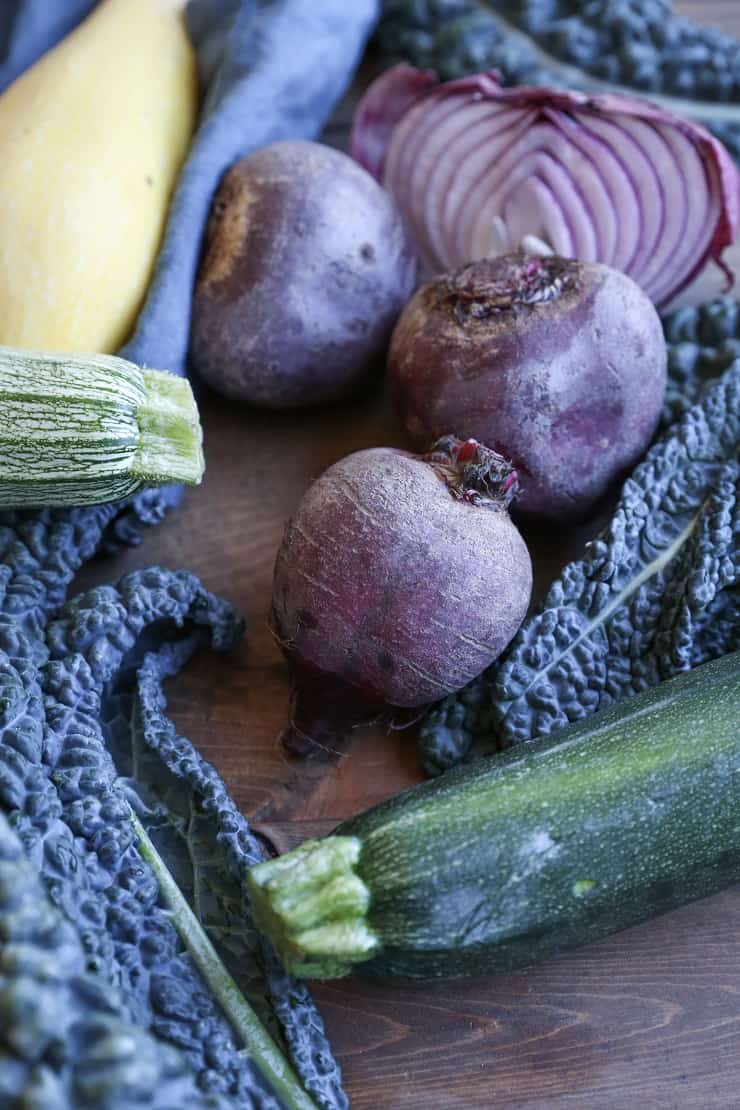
{"type": "Point", "coordinates": [85, 429]}
{"type": "Point", "coordinates": [510, 859]}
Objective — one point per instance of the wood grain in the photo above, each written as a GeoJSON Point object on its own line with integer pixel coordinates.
{"type": "Point", "coordinates": [650, 1016]}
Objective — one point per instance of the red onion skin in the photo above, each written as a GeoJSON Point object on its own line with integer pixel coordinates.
{"type": "Point", "coordinates": [390, 592]}
{"type": "Point", "coordinates": [386, 101]}
{"type": "Point", "coordinates": [569, 389]}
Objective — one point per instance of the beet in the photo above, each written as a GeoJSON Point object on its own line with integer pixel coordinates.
{"type": "Point", "coordinates": [306, 267]}
{"type": "Point", "coordinates": [559, 365]}
{"type": "Point", "coordinates": [399, 579]}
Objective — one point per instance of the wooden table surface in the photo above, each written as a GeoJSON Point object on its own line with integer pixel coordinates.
{"type": "Point", "coordinates": [651, 1015]}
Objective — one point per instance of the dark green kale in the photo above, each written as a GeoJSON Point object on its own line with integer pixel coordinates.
{"type": "Point", "coordinates": [67, 1040]}
{"type": "Point", "coordinates": [455, 37]}
{"type": "Point", "coordinates": [640, 45]}
{"type": "Point", "coordinates": [644, 44]}
{"type": "Point", "coordinates": [84, 739]}
{"type": "Point", "coordinates": [702, 343]}
{"type": "Point", "coordinates": [657, 593]}
{"type": "Point", "coordinates": [41, 551]}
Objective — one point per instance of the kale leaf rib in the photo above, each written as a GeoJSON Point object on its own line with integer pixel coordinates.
{"type": "Point", "coordinates": [126, 640]}
{"type": "Point", "coordinates": [66, 1037]}
{"type": "Point", "coordinates": [242, 1017]}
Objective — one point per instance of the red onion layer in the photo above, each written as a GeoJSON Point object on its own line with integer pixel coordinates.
{"type": "Point", "coordinates": [478, 170]}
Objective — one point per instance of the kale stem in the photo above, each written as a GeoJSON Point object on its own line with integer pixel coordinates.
{"type": "Point", "coordinates": [262, 1049]}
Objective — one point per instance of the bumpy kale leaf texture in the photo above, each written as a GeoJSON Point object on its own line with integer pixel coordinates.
{"type": "Point", "coordinates": [702, 343]}
{"type": "Point", "coordinates": [41, 551]}
{"type": "Point", "coordinates": [658, 592]}
{"type": "Point", "coordinates": [68, 1041]}
{"type": "Point", "coordinates": [83, 738]}
{"type": "Point", "coordinates": [641, 45]}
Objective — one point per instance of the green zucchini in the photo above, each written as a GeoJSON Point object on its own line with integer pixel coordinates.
{"type": "Point", "coordinates": [86, 429]}
{"type": "Point", "coordinates": [510, 859]}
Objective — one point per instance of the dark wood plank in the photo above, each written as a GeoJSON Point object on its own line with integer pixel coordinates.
{"type": "Point", "coordinates": [649, 1016]}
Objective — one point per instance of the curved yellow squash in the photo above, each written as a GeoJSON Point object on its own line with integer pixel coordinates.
{"type": "Point", "coordinates": [92, 138]}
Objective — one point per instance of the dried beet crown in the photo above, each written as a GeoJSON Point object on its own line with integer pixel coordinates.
{"type": "Point", "coordinates": [497, 285]}
{"type": "Point", "coordinates": [473, 472]}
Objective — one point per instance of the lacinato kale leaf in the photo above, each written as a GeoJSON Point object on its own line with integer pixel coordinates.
{"type": "Point", "coordinates": [639, 45]}
{"type": "Point", "coordinates": [702, 343]}
{"type": "Point", "coordinates": [67, 1039]}
{"type": "Point", "coordinates": [60, 788]}
{"type": "Point", "coordinates": [655, 594]}
{"type": "Point", "coordinates": [41, 551]}
{"type": "Point", "coordinates": [182, 801]}
{"type": "Point", "coordinates": [84, 738]}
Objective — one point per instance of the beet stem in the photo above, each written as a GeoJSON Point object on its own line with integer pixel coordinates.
{"type": "Point", "coordinates": [474, 473]}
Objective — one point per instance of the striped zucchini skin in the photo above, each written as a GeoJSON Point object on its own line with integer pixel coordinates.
{"type": "Point", "coordinates": [511, 859]}
{"type": "Point", "coordinates": [86, 429]}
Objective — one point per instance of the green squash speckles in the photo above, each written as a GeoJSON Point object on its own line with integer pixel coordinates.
{"type": "Point", "coordinates": [514, 858]}
{"type": "Point", "coordinates": [89, 429]}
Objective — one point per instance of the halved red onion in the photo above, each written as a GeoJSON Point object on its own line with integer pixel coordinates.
{"type": "Point", "coordinates": [479, 170]}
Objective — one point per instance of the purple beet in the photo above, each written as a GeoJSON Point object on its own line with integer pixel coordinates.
{"type": "Point", "coordinates": [399, 579]}
{"type": "Point", "coordinates": [306, 267]}
{"type": "Point", "coordinates": [559, 365]}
